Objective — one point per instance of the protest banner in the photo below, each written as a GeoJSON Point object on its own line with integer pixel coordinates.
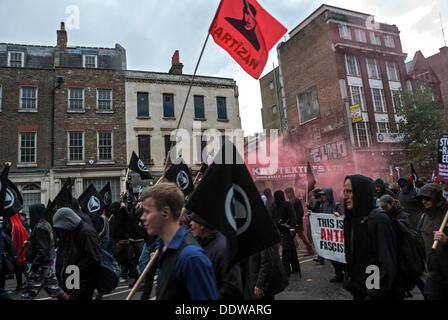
{"type": "Point", "coordinates": [443, 157]}
{"type": "Point", "coordinates": [328, 236]}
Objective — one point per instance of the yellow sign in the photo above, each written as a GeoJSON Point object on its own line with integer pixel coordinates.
{"type": "Point", "coordinates": [356, 113]}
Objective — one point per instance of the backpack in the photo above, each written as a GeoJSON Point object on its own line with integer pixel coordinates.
{"type": "Point", "coordinates": [108, 274]}
{"type": "Point", "coordinates": [411, 253]}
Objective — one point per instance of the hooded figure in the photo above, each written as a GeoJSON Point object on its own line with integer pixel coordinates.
{"type": "Point", "coordinates": [286, 221]}
{"type": "Point", "coordinates": [408, 201]}
{"type": "Point", "coordinates": [437, 258]}
{"type": "Point", "coordinates": [369, 239]}
{"type": "Point", "coordinates": [82, 250]}
{"type": "Point", "coordinates": [381, 189]}
{"type": "Point", "coordinates": [332, 205]}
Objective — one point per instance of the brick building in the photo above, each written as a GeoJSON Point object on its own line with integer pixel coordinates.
{"type": "Point", "coordinates": [272, 112]}
{"type": "Point", "coordinates": [154, 103]}
{"type": "Point", "coordinates": [63, 113]}
{"type": "Point", "coordinates": [334, 59]}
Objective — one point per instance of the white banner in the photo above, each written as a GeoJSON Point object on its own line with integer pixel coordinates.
{"type": "Point", "coordinates": [328, 236]}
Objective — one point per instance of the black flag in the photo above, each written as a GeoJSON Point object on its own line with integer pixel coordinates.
{"type": "Point", "coordinates": [90, 201]}
{"type": "Point", "coordinates": [129, 195]}
{"type": "Point", "coordinates": [413, 176]}
{"type": "Point", "coordinates": [62, 200]}
{"type": "Point", "coordinates": [11, 200]}
{"type": "Point", "coordinates": [180, 174]}
{"type": "Point", "coordinates": [310, 177]}
{"type": "Point", "coordinates": [138, 166]}
{"type": "Point", "coordinates": [204, 167]}
{"type": "Point", "coordinates": [106, 195]}
{"type": "Point", "coordinates": [228, 200]}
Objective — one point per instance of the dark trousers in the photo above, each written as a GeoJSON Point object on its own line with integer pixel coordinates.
{"type": "Point", "coordinates": [18, 271]}
{"type": "Point", "coordinates": [338, 268]}
{"type": "Point", "coordinates": [436, 290]}
{"type": "Point", "coordinates": [289, 253]}
{"type": "Point", "coordinates": [85, 291]}
{"type": "Point", "coordinates": [121, 253]}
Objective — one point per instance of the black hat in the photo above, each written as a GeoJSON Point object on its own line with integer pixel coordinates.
{"type": "Point", "coordinates": [194, 217]}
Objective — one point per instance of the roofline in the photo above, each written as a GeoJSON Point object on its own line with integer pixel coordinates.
{"type": "Point", "coordinates": [172, 74]}
{"type": "Point", "coordinates": [53, 47]}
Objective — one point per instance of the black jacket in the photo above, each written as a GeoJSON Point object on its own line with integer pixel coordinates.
{"type": "Point", "coordinates": [369, 239]}
{"type": "Point", "coordinates": [228, 281]}
{"type": "Point", "coordinates": [120, 226]}
{"type": "Point", "coordinates": [409, 202]}
{"type": "Point", "coordinates": [265, 271]}
{"type": "Point", "coordinates": [41, 248]}
{"type": "Point", "coordinates": [431, 221]}
{"type": "Point", "coordinates": [384, 190]}
{"type": "Point", "coordinates": [298, 208]}
{"type": "Point", "coordinates": [283, 213]}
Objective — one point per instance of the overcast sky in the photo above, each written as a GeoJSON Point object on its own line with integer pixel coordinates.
{"type": "Point", "coordinates": [151, 30]}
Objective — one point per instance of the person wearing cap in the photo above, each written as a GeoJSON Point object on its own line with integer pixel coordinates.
{"type": "Point", "coordinates": [82, 250]}
{"type": "Point", "coordinates": [435, 207]}
{"type": "Point", "coordinates": [215, 247]}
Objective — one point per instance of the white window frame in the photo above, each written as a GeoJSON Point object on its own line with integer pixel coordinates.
{"type": "Point", "coordinates": [366, 127]}
{"type": "Point", "coordinates": [394, 93]}
{"type": "Point", "coordinates": [389, 41]}
{"type": "Point", "coordinates": [20, 149]}
{"type": "Point", "coordinates": [345, 31]}
{"type": "Point", "coordinates": [98, 100]}
{"type": "Point", "coordinates": [377, 74]}
{"type": "Point", "coordinates": [271, 85]}
{"type": "Point", "coordinates": [392, 65]}
{"type": "Point", "coordinates": [84, 58]}
{"type": "Point", "coordinates": [21, 109]}
{"type": "Point", "coordinates": [83, 101]}
{"type": "Point", "coordinates": [82, 161]}
{"type": "Point", "coordinates": [356, 65]}
{"type": "Point", "coordinates": [98, 146]}
{"type": "Point", "coordinates": [383, 100]}
{"type": "Point", "coordinates": [387, 126]}
{"type": "Point", "coordinates": [361, 93]}
{"type": "Point", "coordinates": [22, 54]}
{"type": "Point", "coordinates": [360, 35]}
{"type": "Point", "coordinates": [375, 38]}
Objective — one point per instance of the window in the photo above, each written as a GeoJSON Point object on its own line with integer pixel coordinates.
{"type": "Point", "coordinates": [344, 32]}
{"type": "Point", "coordinates": [142, 104]}
{"type": "Point", "coordinates": [375, 38]}
{"type": "Point", "coordinates": [372, 69]}
{"type": "Point", "coordinates": [351, 64]}
{"type": "Point", "coordinates": [167, 142]}
{"type": "Point", "coordinates": [363, 134]}
{"type": "Point", "coordinates": [168, 105]}
{"type": "Point", "coordinates": [199, 107]}
{"type": "Point", "coordinates": [15, 59]}
{"type": "Point", "coordinates": [308, 105]}
{"type": "Point", "coordinates": [27, 145]}
{"type": "Point", "coordinates": [382, 127]}
{"type": "Point", "coordinates": [76, 99]}
{"type": "Point", "coordinates": [104, 99]}
{"type": "Point", "coordinates": [274, 109]}
{"type": "Point", "coordinates": [105, 146]}
{"type": "Point", "coordinates": [358, 97]}
{"type": "Point", "coordinates": [392, 71]}
{"type": "Point", "coordinates": [396, 99]}
{"type": "Point", "coordinates": [76, 146]}
{"type": "Point", "coordinates": [379, 100]}
{"type": "Point", "coordinates": [90, 61]}
{"type": "Point", "coordinates": [271, 85]}
{"type": "Point", "coordinates": [144, 148]}
{"type": "Point", "coordinates": [389, 41]}
{"type": "Point", "coordinates": [360, 35]}
{"type": "Point", "coordinates": [31, 195]}
{"type": "Point", "coordinates": [28, 99]}
{"type": "Point", "coordinates": [222, 107]}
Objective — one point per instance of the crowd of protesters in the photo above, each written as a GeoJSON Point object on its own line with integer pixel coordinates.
{"type": "Point", "coordinates": [192, 254]}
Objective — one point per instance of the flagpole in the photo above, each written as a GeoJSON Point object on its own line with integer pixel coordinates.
{"type": "Point", "coordinates": [148, 267]}
{"type": "Point", "coordinates": [196, 178]}
{"type": "Point", "coordinates": [441, 229]}
{"type": "Point", "coordinates": [185, 105]}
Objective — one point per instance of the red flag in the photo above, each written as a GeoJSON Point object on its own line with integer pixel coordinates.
{"type": "Point", "coordinates": [247, 32]}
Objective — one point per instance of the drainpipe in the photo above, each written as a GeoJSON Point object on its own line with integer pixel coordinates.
{"type": "Point", "coordinates": [60, 80]}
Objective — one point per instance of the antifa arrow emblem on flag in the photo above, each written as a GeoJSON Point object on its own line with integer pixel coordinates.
{"type": "Point", "coordinates": [228, 200]}
{"type": "Point", "coordinates": [11, 201]}
{"type": "Point", "coordinates": [138, 166]}
{"type": "Point", "coordinates": [106, 195]}
{"type": "Point", "coordinates": [180, 174]}
{"type": "Point", "coordinates": [247, 32]}
{"type": "Point", "coordinates": [62, 199]}
{"type": "Point", "coordinates": [90, 201]}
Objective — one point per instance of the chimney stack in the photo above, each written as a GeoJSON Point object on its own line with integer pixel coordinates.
{"type": "Point", "coordinates": [176, 66]}
{"type": "Point", "coordinates": [62, 37]}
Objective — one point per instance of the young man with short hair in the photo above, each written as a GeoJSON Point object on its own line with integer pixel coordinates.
{"type": "Point", "coordinates": [185, 272]}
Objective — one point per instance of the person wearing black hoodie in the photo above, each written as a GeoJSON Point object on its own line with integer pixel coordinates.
{"type": "Point", "coordinates": [286, 221]}
{"type": "Point", "coordinates": [370, 239]}
{"type": "Point", "coordinates": [409, 202]}
{"type": "Point", "coordinates": [41, 256]}
{"type": "Point", "coordinates": [435, 208]}
{"type": "Point", "coordinates": [381, 189]}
